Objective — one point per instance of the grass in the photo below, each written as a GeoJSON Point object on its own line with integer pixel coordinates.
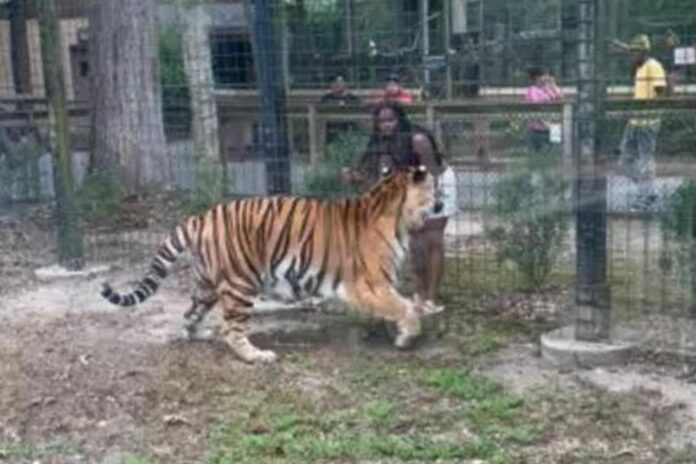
{"type": "Point", "coordinates": [133, 459]}
{"type": "Point", "coordinates": [494, 414]}
{"type": "Point", "coordinates": [400, 419]}
{"type": "Point", "coordinates": [11, 452]}
{"type": "Point", "coordinates": [379, 413]}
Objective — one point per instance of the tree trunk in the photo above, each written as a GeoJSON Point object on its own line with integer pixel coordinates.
{"type": "Point", "coordinates": [70, 247]}
{"type": "Point", "coordinates": [127, 117]}
{"type": "Point", "coordinates": [199, 75]}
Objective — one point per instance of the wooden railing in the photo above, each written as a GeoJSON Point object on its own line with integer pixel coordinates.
{"type": "Point", "coordinates": [482, 111]}
{"type": "Point", "coordinates": [304, 106]}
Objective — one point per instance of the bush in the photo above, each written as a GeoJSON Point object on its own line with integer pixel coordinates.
{"type": "Point", "coordinates": [98, 197]}
{"type": "Point", "coordinates": [531, 206]}
{"type": "Point", "coordinates": [325, 180]}
{"type": "Point", "coordinates": [19, 169]}
{"type": "Point", "coordinates": [209, 189]}
{"type": "Point", "coordinates": [679, 224]}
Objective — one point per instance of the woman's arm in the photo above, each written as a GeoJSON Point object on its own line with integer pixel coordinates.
{"type": "Point", "coordinates": [361, 174]}
{"type": "Point", "coordinates": [424, 149]}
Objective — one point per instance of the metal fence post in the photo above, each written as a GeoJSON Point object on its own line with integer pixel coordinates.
{"type": "Point", "coordinates": [70, 246]}
{"type": "Point", "coordinates": [271, 84]}
{"type": "Point", "coordinates": [591, 290]}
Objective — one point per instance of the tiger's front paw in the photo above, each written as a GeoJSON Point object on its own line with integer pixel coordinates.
{"type": "Point", "coordinates": [427, 307]}
{"type": "Point", "coordinates": [403, 341]}
{"type": "Point", "coordinates": [409, 329]}
{"type": "Point", "coordinates": [263, 357]}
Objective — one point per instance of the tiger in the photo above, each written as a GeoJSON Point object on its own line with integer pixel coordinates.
{"type": "Point", "coordinates": [294, 248]}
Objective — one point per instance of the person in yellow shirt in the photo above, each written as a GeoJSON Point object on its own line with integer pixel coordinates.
{"type": "Point", "coordinates": [637, 159]}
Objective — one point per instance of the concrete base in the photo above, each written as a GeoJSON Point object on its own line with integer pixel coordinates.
{"type": "Point", "coordinates": [56, 272]}
{"type": "Point", "coordinates": [560, 347]}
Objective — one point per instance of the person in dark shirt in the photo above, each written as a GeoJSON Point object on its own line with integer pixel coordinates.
{"type": "Point", "coordinates": [339, 94]}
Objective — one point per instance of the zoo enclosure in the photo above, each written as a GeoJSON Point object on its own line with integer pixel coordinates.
{"type": "Point", "coordinates": [482, 127]}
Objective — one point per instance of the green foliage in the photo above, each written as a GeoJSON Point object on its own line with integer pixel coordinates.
{"type": "Point", "coordinates": [19, 165]}
{"type": "Point", "coordinates": [461, 383]}
{"type": "Point", "coordinates": [679, 223]}
{"type": "Point", "coordinates": [680, 216]}
{"type": "Point", "coordinates": [325, 181]}
{"type": "Point", "coordinates": [531, 209]}
{"type": "Point", "coordinates": [133, 459]}
{"type": "Point", "coordinates": [171, 57]}
{"type": "Point", "coordinates": [659, 14]}
{"type": "Point", "coordinates": [379, 412]}
{"type": "Point", "coordinates": [209, 189]}
{"type": "Point", "coordinates": [176, 105]}
{"type": "Point", "coordinates": [98, 197]}
{"type": "Point", "coordinates": [35, 452]}
{"type": "Point", "coordinates": [302, 438]}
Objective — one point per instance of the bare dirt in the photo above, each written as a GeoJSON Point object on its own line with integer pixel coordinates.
{"type": "Point", "coordinates": [83, 382]}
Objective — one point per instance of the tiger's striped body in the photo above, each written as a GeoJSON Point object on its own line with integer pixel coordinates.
{"type": "Point", "coordinates": [296, 248]}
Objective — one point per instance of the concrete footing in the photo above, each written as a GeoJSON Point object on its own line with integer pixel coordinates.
{"type": "Point", "coordinates": [560, 347]}
{"type": "Point", "coordinates": [56, 272]}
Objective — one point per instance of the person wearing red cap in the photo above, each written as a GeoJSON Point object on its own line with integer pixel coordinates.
{"type": "Point", "coordinates": [393, 92]}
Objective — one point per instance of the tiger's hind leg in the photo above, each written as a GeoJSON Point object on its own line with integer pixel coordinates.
{"type": "Point", "coordinates": [201, 304]}
{"type": "Point", "coordinates": [203, 299]}
{"type": "Point", "coordinates": [236, 315]}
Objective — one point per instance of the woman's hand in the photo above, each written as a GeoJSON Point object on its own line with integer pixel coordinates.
{"type": "Point", "coordinates": [350, 176]}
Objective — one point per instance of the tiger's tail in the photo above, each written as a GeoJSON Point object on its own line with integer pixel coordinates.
{"type": "Point", "coordinates": [177, 243]}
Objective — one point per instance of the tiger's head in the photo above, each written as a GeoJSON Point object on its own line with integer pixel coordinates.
{"type": "Point", "coordinates": [409, 193]}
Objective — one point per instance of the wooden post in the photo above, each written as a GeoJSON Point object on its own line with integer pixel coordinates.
{"type": "Point", "coordinates": [430, 116]}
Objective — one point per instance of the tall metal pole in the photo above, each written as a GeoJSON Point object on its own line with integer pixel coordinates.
{"type": "Point", "coordinates": [592, 299]}
{"type": "Point", "coordinates": [425, 41]}
{"type": "Point", "coordinates": [70, 247]}
{"type": "Point", "coordinates": [350, 39]}
{"type": "Point", "coordinates": [271, 83]}
{"type": "Point", "coordinates": [447, 38]}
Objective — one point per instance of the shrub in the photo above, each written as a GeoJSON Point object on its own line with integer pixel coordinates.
{"type": "Point", "coordinates": [530, 204]}
{"type": "Point", "coordinates": [325, 180]}
{"type": "Point", "coordinates": [209, 189]}
{"type": "Point", "coordinates": [679, 224]}
{"type": "Point", "coordinates": [98, 197]}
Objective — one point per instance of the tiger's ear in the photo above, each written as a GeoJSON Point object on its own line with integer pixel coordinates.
{"type": "Point", "coordinates": [385, 171]}
{"type": "Point", "coordinates": [419, 174]}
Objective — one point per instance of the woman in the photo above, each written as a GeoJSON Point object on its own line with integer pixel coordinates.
{"type": "Point", "coordinates": [396, 143]}
{"type": "Point", "coordinates": [542, 90]}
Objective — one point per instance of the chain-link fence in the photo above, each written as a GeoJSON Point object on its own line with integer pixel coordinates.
{"type": "Point", "coordinates": [170, 111]}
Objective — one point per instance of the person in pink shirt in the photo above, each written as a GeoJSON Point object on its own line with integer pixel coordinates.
{"type": "Point", "coordinates": [542, 90]}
